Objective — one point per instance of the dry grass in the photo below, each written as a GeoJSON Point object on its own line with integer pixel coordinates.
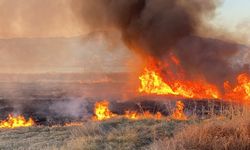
{"type": "Point", "coordinates": [230, 131]}
{"type": "Point", "coordinates": [121, 134]}
{"type": "Point", "coordinates": [217, 133]}
{"type": "Point", "coordinates": [33, 137]}
{"type": "Point", "coordinates": [111, 134]}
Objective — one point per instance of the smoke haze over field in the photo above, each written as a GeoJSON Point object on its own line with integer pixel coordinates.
{"type": "Point", "coordinates": [40, 35]}
{"type": "Point", "coordinates": [37, 18]}
{"type": "Point", "coordinates": [75, 54]}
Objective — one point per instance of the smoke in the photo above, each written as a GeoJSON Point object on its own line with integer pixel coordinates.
{"type": "Point", "coordinates": [211, 58]}
{"type": "Point", "coordinates": [155, 27]}
{"type": "Point", "coordinates": [149, 27]}
{"type": "Point", "coordinates": [37, 18]}
{"type": "Point", "coordinates": [70, 108]}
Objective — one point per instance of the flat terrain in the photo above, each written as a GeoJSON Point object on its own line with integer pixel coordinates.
{"type": "Point", "coordinates": [216, 133]}
{"type": "Point", "coordinates": [51, 103]}
{"type": "Point", "coordinates": [112, 134]}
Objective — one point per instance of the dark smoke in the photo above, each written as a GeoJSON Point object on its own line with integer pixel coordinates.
{"type": "Point", "coordinates": [155, 27]}
{"type": "Point", "coordinates": [148, 26]}
{"type": "Point", "coordinates": [210, 58]}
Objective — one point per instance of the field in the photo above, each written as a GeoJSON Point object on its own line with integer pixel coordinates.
{"type": "Point", "coordinates": [210, 125]}
{"type": "Point", "coordinates": [214, 133]}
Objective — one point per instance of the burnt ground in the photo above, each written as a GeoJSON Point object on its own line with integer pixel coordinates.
{"type": "Point", "coordinates": [53, 101]}
{"type": "Point", "coordinates": [53, 112]}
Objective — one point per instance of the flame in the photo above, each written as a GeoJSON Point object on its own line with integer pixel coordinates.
{"type": "Point", "coordinates": [178, 114]}
{"type": "Point", "coordinates": [102, 111]}
{"type": "Point", "coordinates": [152, 83]}
{"type": "Point", "coordinates": [241, 91]}
{"type": "Point", "coordinates": [175, 83]}
{"type": "Point", "coordinates": [146, 115]}
{"type": "Point", "coordinates": [131, 115]}
{"type": "Point", "coordinates": [73, 124]}
{"type": "Point", "coordinates": [15, 122]}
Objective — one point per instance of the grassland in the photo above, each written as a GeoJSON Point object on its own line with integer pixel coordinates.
{"type": "Point", "coordinates": [218, 132]}
{"type": "Point", "coordinates": [112, 134]}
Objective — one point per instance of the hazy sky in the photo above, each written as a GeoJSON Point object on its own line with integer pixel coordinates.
{"type": "Point", "coordinates": [23, 20]}
{"type": "Point", "coordinates": [53, 18]}
{"type": "Point", "coordinates": [233, 13]}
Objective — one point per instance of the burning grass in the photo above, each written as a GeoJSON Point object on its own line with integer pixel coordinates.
{"type": "Point", "coordinates": [16, 122]}
{"type": "Point", "coordinates": [137, 130]}
{"type": "Point", "coordinates": [230, 131]}
{"type": "Point", "coordinates": [102, 112]}
{"type": "Point", "coordinates": [174, 83]}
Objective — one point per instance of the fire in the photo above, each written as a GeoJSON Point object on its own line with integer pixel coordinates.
{"type": "Point", "coordinates": [241, 91]}
{"type": "Point", "coordinates": [73, 124]}
{"type": "Point", "coordinates": [152, 83]}
{"type": "Point", "coordinates": [178, 113]}
{"type": "Point", "coordinates": [175, 83]}
{"type": "Point", "coordinates": [146, 115]}
{"type": "Point", "coordinates": [15, 122]}
{"type": "Point", "coordinates": [131, 115]}
{"type": "Point", "coordinates": [102, 111]}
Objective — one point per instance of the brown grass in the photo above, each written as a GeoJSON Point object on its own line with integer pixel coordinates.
{"type": "Point", "coordinates": [111, 134]}
{"type": "Point", "coordinates": [121, 134]}
{"type": "Point", "coordinates": [229, 131]}
{"type": "Point", "coordinates": [218, 133]}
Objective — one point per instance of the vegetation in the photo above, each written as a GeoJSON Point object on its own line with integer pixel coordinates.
{"type": "Point", "coordinates": [218, 132]}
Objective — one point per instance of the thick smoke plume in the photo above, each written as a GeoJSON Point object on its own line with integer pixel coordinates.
{"type": "Point", "coordinates": [156, 27]}
{"type": "Point", "coordinates": [148, 26]}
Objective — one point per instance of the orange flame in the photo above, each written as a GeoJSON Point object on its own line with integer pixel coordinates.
{"type": "Point", "coordinates": [152, 83]}
{"type": "Point", "coordinates": [241, 91]}
{"type": "Point", "coordinates": [131, 115]}
{"type": "Point", "coordinates": [146, 115]}
{"type": "Point", "coordinates": [175, 83]}
{"type": "Point", "coordinates": [73, 124]}
{"type": "Point", "coordinates": [15, 122]}
{"type": "Point", "coordinates": [102, 111]}
{"type": "Point", "coordinates": [178, 114]}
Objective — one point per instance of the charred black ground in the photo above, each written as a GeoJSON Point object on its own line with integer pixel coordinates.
{"type": "Point", "coordinates": [53, 103]}
{"type": "Point", "coordinates": [43, 114]}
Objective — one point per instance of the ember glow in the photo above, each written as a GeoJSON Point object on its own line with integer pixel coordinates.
{"type": "Point", "coordinates": [102, 111]}
{"type": "Point", "coordinates": [16, 122]}
{"type": "Point", "coordinates": [73, 124]}
{"type": "Point", "coordinates": [146, 115]}
{"type": "Point", "coordinates": [178, 113]}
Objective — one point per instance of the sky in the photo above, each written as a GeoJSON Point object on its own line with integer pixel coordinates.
{"type": "Point", "coordinates": [46, 18]}
{"type": "Point", "coordinates": [27, 26]}
{"type": "Point", "coordinates": [233, 13]}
